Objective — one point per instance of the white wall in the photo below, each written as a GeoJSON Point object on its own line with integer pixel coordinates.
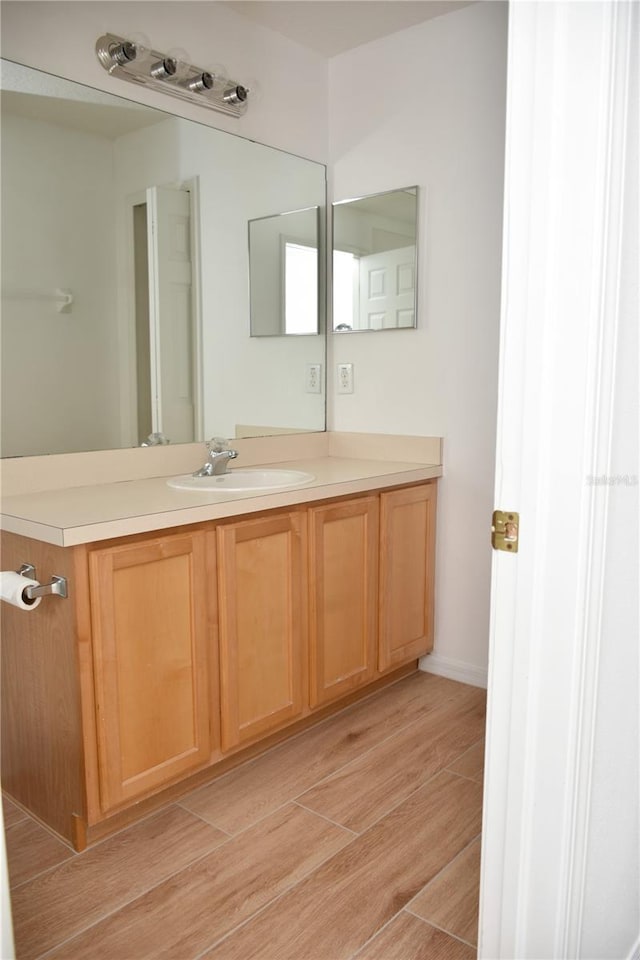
{"type": "Point", "coordinates": [52, 177]}
{"type": "Point", "coordinates": [289, 109]}
{"type": "Point", "coordinates": [426, 106]}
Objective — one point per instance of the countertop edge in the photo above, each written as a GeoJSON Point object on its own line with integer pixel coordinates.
{"type": "Point", "coordinates": [23, 527]}
{"type": "Point", "coordinates": [147, 523]}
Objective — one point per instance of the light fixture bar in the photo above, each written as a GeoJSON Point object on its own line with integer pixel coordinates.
{"type": "Point", "coordinates": [135, 63]}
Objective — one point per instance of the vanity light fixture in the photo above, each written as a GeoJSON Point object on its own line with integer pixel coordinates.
{"type": "Point", "coordinates": [136, 63]}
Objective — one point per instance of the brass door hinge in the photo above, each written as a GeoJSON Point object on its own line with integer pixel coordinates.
{"type": "Point", "coordinates": [505, 529]}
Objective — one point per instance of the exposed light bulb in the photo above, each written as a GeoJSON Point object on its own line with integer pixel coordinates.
{"type": "Point", "coordinates": [181, 58]}
{"type": "Point", "coordinates": [141, 42]}
{"type": "Point", "coordinates": [254, 89]}
{"type": "Point", "coordinates": [164, 69]}
{"type": "Point", "coordinates": [235, 94]}
{"type": "Point", "coordinates": [123, 53]}
{"type": "Point", "coordinates": [201, 83]}
{"type": "Point", "coordinates": [220, 74]}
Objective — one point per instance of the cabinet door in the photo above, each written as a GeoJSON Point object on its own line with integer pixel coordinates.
{"type": "Point", "coordinates": [343, 585]}
{"type": "Point", "coordinates": [407, 548]}
{"type": "Point", "coordinates": [149, 624]}
{"type": "Point", "coordinates": [262, 620]}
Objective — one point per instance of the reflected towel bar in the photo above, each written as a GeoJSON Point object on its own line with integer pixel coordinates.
{"type": "Point", "coordinates": [63, 298]}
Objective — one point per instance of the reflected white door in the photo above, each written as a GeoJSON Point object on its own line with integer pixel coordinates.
{"type": "Point", "coordinates": [171, 313]}
{"type": "Point", "coordinates": [388, 289]}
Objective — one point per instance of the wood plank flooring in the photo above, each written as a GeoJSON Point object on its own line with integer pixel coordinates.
{"type": "Point", "coordinates": [356, 839]}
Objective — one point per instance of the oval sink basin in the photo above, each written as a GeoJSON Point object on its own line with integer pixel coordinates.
{"type": "Point", "coordinates": [238, 481]}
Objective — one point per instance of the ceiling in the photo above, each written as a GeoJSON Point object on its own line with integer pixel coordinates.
{"type": "Point", "coordinates": [330, 27]}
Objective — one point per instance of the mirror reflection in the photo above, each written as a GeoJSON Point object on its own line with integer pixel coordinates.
{"type": "Point", "coordinates": [284, 270]}
{"type": "Point", "coordinates": [125, 294]}
{"type": "Point", "coordinates": [374, 262]}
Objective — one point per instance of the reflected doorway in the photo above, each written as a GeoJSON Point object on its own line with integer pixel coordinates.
{"type": "Point", "coordinates": [166, 342]}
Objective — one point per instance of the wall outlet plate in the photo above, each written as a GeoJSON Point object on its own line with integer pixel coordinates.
{"type": "Point", "coordinates": [313, 377]}
{"type": "Point", "coordinates": [345, 378]}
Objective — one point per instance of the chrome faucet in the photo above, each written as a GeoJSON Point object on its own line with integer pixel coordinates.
{"type": "Point", "coordinates": [219, 455]}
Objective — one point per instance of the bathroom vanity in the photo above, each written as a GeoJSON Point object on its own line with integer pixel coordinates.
{"type": "Point", "coordinates": [217, 628]}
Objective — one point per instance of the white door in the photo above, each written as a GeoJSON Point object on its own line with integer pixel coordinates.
{"type": "Point", "coordinates": [388, 289]}
{"type": "Point", "coordinates": [560, 863]}
{"type": "Point", "coordinates": [171, 313]}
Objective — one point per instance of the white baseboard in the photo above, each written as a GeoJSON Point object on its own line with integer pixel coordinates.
{"type": "Point", "coordinates": [454, 670]}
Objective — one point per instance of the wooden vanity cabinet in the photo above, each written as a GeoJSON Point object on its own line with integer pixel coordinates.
{"type": "Point", "coordinates": [407, 567]}
{"type": "Point", "coordinates": [41, 714]}
{"type": "Point", "coordinates": [182, 651]}
{"type": "Point", "coordinates": [343, 592]}
{"type": "Point", "coordinates": [262, 574]}
{"type": "Point", "coordinates": [149, 624]}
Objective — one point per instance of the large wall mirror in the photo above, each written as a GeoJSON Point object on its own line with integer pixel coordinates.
{"type": "Point", "coordinates": [125, 275]}
{"type": "Point", "coordinates": [375, 262]}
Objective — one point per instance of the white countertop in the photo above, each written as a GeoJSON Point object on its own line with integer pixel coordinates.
{"type": "Point", "coordinates": [85, 514]}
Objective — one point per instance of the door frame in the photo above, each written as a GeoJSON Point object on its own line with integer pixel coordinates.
{"type": "Point", "coordinates": [126, 313]}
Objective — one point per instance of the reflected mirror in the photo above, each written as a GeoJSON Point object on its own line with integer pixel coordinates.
{"type": "Point", "coordinates": [125, 268]}
{"type": "Point", "coordinates": [284, 269]}
{"type": "Point", "coordinates": [375, 262]}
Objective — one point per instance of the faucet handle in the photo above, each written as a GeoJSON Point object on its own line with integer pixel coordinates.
{"type": "Point", "coordinates": [155, 440]}
{"type": "Point", "coordinates": [218, 445]}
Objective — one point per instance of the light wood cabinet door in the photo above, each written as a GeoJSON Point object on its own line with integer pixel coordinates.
{"type": "Point", "coordinates": [407, 558]}
{"type": "Point", "coordinates": [150, 648]}
{"type": "Point", "coordinates": [343, 586]}
{"type": "Point", "coordinates": [262, 624]}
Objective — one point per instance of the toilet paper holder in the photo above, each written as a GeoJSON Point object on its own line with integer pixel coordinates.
{"type": "Point", "coordinates": [56, 588]}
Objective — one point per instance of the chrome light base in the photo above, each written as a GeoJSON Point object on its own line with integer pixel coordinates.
{"type": "Point", "coordinates": [137, 64]}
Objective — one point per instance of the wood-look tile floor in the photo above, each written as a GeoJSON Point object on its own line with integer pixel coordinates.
{"type": "Point", "coordinates": [358, 838]}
